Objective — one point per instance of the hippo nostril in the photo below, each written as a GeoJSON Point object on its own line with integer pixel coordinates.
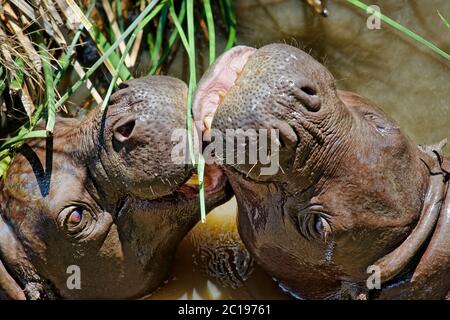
{"type": "Point", "coordinates": [123, 85]}
{"type": "Point", "coordinates": [309, 91]}
{"type": "Point", "coordinates": [124, 131]}
{"type": "Point", "coordinates": [308, 97]}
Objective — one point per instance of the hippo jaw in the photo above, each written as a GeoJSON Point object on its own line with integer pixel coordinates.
{"type": "Point", "coordinates": [352, 184]}
{"type": "Point", "coordinates": [77, 199]}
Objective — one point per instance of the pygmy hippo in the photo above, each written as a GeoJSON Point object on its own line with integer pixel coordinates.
{"type": "Point", "coordinates": [101, 197]}
{"type": "Point", "coordinates": [354, 198]}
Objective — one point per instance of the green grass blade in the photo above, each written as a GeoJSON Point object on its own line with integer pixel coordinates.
{"type": "Point", "coordinates": [2, 81]}
{"type": "Point", "coordinates": [16, 82]}
{"type": "Point", "coordinates": [192, 77]}
{"type": "Point", "coordinates": [201, 187]}
{"type": "Point", "coordinates": [159, 35]}
{"type": "Point", "coordinates": [192, 85]}
{"type": "Point", "coordinates": [172, 38]}
{"type": "Point", "coordinates": [127, 49]}
{"type": "Point", "coordinates": [150, 42]}
{"type": "Point", "coordinates": [108, 52]}
{"type": "Point", "coordinates": [190, 49]}
{"type": "Point", "coordinates": [177, 23]}
{"type": "Point", "coordinates": [403, 29]}
{"type": "Point", "coordinates": [103, 46]}
{"type": "Point", "coordinates": [49, 87]}
{"type": "Point", "coordinates": [64, 61]}
{"type": "Point", "coordinates": [5, 160]}
{"type": "Point", "coordinates": [120, 16]}
{"type": "Point", "coordinates": [116, 74]}
{"type": "Point", "coordinates": [28, 135]}
{"type": "Point", "coordinates": [447, 24]}
{"type": "Point", "coordinates": [211, 31]}
{"type": "Point", "coordinates": [25, 129]}
{"type": "Point", "coordinates": [192, 73]}
{"type": "Point", "coordinates": [231, 20]}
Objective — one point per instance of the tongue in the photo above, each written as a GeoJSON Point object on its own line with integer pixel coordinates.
{"type": "Point", "coordinates": [212, 180]}
{"type": "Point", "coordinates": [216, 82]}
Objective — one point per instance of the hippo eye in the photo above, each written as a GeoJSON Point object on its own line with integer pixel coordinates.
{"type": "Point", "coordinates": [75, 217]}
{"type": "Point", "coordinates": [313, 226]}
{"type": "Point", "coordinates": [322, 227]}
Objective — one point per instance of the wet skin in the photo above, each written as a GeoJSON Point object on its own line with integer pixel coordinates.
{"type": "Point", "coordinates": [101, 194]}
{"type": "Point", "coordinates": [352, 190]}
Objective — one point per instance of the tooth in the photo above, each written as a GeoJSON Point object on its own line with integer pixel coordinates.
{"type": "Point", "coordinates": [208, 122]}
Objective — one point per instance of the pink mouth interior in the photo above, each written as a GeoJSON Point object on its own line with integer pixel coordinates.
{"type": "Point", "coordinates": [211, 89]}
{"type": "Point", "coordinates": [216, 83]}
{"type": "Point", "coordinates": [214, 180]}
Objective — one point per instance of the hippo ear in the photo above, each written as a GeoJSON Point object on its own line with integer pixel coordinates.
{"type": "Point", "coordinates": [432, 229]}
{"type": "Point", "coordinates": [433, 269]}
{"type": "Point", "coordinates": [18, 277]}
{"type": "Point", "coordinates": [396, 261]}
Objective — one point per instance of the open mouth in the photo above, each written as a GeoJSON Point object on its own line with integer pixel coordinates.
{"type": "Point", "coordinates": [215, 84]}
{"type": "Point", "coordinates": [214, 180]}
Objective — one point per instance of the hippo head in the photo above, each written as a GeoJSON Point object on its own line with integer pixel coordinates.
{"type": "Point", "coordinates": [349, 186]}
{"type": "Point", "coordinates": [101, 199]}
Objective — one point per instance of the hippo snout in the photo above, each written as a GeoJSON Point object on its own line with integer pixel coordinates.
{"type": "Point", "coordinates": [276, 88]}
{"type": "Point", "coordinates": [136, 136]}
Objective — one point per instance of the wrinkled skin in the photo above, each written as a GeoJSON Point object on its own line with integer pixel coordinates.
{"type": "Point", "coordinates": [351, 186]}
{"type": "Point", "coordinates": [104, 195]}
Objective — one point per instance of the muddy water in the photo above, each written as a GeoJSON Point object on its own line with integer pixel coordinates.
{"type": "Point", "coordinates": [409, 82]}
{"type": "Point", "coordinates": [212, 263]}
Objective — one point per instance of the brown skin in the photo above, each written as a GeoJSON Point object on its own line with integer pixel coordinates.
{"type": "Point", "coordinates": [102, 194]}
{"type": "Point", "coordinates": [351, 190]}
